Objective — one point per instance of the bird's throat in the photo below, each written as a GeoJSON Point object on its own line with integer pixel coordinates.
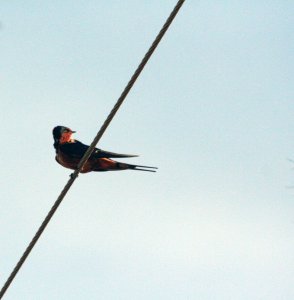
{"type": "Point", "coordinates": [66, 138]}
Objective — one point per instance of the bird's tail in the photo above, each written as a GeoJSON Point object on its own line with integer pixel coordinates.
{"type": "Point", "coordinates": [106, 164]}
{"type": "Point", "coordinates": [142, 168]}
{"type": "Point", "coordinates": [125, 166]}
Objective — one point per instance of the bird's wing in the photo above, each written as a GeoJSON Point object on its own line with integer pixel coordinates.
{"type": "Point", "coordinates": [78, 149]}
{"type": "Point", "coordinates": [99, 153]}
{"type": "Point", "coordinates": [75, 149]}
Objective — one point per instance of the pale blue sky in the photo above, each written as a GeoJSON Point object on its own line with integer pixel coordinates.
{"type": "Point", "coordinates": [213, 110]}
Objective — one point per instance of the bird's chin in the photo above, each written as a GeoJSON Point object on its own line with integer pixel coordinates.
{"type": "Point", "coordinates": [66, 138]}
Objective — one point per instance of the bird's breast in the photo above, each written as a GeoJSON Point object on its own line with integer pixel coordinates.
{"type": "Point", "coordinates": [72, 162]}
{"type": "Point", "coordinates": [66, 160]}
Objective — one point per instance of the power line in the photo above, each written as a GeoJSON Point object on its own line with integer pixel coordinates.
{"type": "Point", "coordinates": [88, 153]}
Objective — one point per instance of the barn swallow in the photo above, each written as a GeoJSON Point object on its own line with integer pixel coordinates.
{"type": "Point", "coordinates": [70, 151]}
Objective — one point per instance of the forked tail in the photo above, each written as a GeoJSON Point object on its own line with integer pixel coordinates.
{"type": "Point", "coordinates": [106, 164]}
{"type": "Point", "coordinates": [142, 168]}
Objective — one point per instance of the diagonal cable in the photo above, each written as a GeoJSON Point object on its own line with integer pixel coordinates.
{"type": "Point", "coordinates": [86, 156]}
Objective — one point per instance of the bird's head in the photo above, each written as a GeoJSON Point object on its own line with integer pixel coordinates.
{"type": "Point", "coordinates": [62, 134]}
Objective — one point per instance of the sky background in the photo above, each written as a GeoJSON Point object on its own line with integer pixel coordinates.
{"type": "Point", "coordinates": [213, 109]}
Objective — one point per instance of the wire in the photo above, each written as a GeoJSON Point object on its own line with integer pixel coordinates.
{"type": "Point", "coordinates": [86, 156]}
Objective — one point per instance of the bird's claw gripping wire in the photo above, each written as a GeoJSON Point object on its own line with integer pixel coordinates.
{"type": "Point", "coordinates": [72, 175]}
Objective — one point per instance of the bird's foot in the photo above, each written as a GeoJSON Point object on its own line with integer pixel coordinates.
{"type": "Point", "coordinates": [72, 175]}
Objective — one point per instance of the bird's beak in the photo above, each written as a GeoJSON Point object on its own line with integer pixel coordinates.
{"type": "Point", "coordinates": [73, 131]}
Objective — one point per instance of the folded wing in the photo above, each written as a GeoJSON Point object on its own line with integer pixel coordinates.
{"type": "Point", "coordinates": [78, 149]}
{"type": "Point", "coordinates": [99, 153]}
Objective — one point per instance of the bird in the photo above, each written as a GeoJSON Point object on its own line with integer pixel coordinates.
{"type": "Point", "coordinates": [69, 152]}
